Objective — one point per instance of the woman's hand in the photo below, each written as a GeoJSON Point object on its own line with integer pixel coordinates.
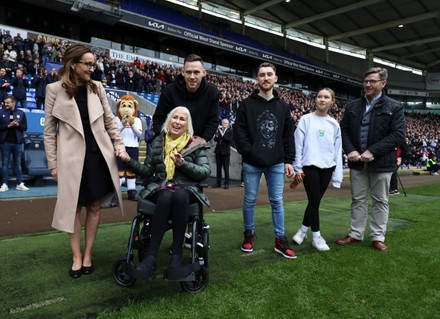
{"type": "Point", "coordinates": [54, 173]}
{"type": "Point", "coordinates": [178, 159]}
{"type": "Point", "coordinates": [299, 178]}
{"type": "Point", "coordinates": [123, 155]}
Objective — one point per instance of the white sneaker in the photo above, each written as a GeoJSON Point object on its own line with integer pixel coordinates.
{"type": "Point", "coordinates": [21, 187]}
{"type": "Point", "coordinates": [320, 244]}
{"type": "Point", "coordinates": [299, 237]}
{"type": "Point", "coordinates": [434, 173]}
{"type": "Point", "coordinates": [4, 188]}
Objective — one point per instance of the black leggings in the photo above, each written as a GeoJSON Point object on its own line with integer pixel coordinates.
{"type": "Point", "coordinates": [170, 206]}
{"type": "Point", "coordinates": [315, 182]}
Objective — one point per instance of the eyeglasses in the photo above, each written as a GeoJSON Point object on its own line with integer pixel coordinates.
{"type": "Point", "coordinates": [372, 82]}
{"type": "Point", "coordinates": [90, 65]}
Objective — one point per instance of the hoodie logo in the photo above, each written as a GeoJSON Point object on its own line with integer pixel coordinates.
{"type": "Point", "coordinates": [267, 123]}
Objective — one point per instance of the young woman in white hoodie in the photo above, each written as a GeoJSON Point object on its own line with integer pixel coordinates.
{"type": "Point", "coordinates": [318, 161]}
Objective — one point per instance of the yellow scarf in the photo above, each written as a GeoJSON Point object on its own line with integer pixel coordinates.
{"type": "Point", "coordinates": [170, 147]}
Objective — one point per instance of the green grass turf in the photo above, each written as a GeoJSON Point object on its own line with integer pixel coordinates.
{"type": "Point", "coordinates": [346, 282]}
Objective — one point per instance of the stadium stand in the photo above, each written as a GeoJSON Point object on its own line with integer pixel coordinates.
{"type": "Point", "coordinates": [422, 131]}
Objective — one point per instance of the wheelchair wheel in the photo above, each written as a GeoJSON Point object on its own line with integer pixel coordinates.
{"type": "Point", "coordinates": [197, 285]}
{"type": "Point", "coordinates": [205, 242]}
{"type": "Point", "coordinates": [120, 275]}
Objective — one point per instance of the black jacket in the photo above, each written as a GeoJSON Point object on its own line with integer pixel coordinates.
{"type": "Point", "coordinates": [19, 130]}
{"type": "Point", "coordinates": [387, 131]}
{"type": "Point", "coordinates": [39, 82]}
{"type": "Point", "coordinates": [223, 146]}
{"type": "Point", "coordinates": [263, 131]}
{"type": "Point", "coordinates": [20, 85]}
{"type": "Point", "coordinates": [202, 104]}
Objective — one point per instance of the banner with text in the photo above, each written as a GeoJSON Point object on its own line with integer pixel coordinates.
{"type": "Point", "coordinates": [191, 35]}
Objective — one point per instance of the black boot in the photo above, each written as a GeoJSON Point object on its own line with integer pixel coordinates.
{"type": "Point", "coordinates": [145, 269]}
{"type": "Point", "coordinates": [175, 269]}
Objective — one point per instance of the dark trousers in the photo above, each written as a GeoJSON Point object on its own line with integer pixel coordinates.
{"type": "Point", "coordinates": [433, 168]}
{"type": "Point", "coordinates": [222, 161]}
{"type": "Point", "coordinates": [22, 102]}
{"type": "Point", "coordinates": [393, 181]}
{"type": "Point", "coordinates": [170, 205]}
{"type": "Point", "coordinates": [315, 182]}
{"type": "Point", "coordinates": [39, 102]}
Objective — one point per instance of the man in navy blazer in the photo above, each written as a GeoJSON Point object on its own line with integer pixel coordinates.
{"type": "Point", "coordinates": [13, 124]}
{"type": "Point", "coordinates": [223, 136]}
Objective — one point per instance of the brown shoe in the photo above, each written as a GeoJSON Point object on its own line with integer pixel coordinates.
{"type": "Point", "coordinates": [347, 240]}
{"type": "Point", "coordinates": [379, 245]}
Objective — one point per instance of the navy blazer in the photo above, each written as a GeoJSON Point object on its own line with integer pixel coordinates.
{"type": "Point", "coordinates": [223, 146]}
{"type": "Point", "coordinates": [4, 122]}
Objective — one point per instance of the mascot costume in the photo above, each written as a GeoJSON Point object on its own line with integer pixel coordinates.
{"type": "Point", "coordinates": [131, 131]}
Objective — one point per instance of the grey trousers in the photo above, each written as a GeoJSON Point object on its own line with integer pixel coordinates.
{"type": "Point", "coordinates": [364, 184]}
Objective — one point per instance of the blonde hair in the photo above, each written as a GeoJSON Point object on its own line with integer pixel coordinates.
{"type": "Point", "coordinates": [170, 115]}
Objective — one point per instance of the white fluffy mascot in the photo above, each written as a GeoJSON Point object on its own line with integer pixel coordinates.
{"type": "Point", "coordinates": [131, 131]}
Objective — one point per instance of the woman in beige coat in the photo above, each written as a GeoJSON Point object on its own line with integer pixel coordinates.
{"type": "Point", "coordinates": [81, 138]}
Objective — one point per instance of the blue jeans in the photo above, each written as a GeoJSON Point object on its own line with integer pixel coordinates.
{"type": "Point", "coordinates": [275, 186]}
{"type": "Point", "coordinates": [17, 151]}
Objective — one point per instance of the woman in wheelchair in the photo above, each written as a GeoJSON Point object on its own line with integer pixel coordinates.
{"type": "Point", "coordinates": [175, 172]}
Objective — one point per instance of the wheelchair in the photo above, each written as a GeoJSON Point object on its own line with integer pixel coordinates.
{"type": "Point", "coordinates": [196, 273]}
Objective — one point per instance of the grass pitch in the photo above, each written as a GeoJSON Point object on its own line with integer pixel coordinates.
{"type": "Point", "coordinates": [345, 282]}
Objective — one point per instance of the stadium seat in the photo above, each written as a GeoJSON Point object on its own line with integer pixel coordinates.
{"type": "Point", "coordinates": [35, 158]}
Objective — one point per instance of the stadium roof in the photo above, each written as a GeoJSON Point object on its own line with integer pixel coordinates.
{"type": "Point", "coordinates": [405, 32]}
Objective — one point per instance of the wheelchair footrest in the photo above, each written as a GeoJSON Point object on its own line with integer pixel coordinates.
{"type": "Point", "coordinates": [147, 274]}
{"type": "Point", "coordinates": [185, 273]}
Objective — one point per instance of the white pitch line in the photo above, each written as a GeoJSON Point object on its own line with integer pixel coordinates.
{"type": "Point", "coordinates": [37, 305]}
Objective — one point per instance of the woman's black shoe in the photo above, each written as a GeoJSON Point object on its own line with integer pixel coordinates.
{"type": "Point", "coordinates": [75, 273]}
{"type": "Point", "coordinates": [87, 270]}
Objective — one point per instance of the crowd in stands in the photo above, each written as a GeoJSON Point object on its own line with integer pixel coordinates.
{"type": "Point", "coordinates": [32, 55]}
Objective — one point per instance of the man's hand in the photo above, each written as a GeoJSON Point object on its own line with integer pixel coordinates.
{"type": "Point", "coordinates": [367, 156]}
{"type": "Point", "coordinates": [289, 171]}
{"type": "Point", "coordinates": [354, 156]}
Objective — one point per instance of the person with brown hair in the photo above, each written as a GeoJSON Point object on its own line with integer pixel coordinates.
{"type": "Point", "coordinates": [81, 138]}
{"type": "Point", "coordinates": [192, 90]}
{"type": "Point", "coordinates": [318, 155]}
{"type": "Point", "coordinates": [13, 125]}
{"type": "Point", "coordinates": [263, 134]}
{"type": "Point", "coordinates": [372, 128]}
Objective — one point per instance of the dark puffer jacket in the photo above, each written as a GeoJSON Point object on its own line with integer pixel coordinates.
{"type": "Point", "coordinates": [386, 132]}
{"type": "Point", "coordinates": [194, 170]}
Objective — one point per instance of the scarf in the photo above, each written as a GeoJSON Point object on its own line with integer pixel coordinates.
{"type": "Point", "coordinates": [170, 147]}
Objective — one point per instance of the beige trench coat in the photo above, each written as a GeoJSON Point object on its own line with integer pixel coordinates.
{"type": "Point", "coordinates": [65, 148]}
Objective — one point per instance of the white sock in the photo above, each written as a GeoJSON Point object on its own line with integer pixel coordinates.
{"type": "Point", "coordinates": [316, 234]}
{"type": "Point", "coordinates": [121, 181]}
{"type": "Point", "coordinates": [304, 228]}
{"type": "Point", "coordinates": [131, 183]}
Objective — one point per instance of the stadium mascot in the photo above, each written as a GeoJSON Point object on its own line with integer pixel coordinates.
{"type": "Point", "coordinates": [131, 131]}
